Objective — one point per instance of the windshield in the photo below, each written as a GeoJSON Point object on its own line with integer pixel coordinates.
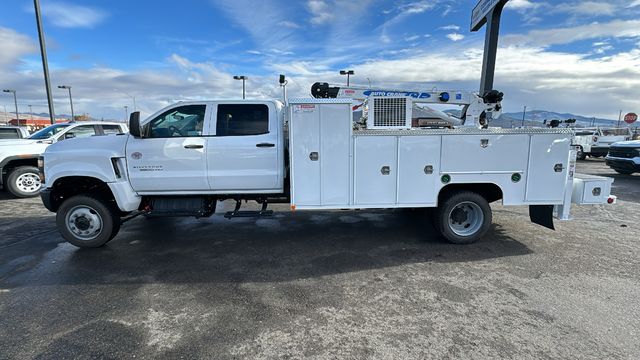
{"type": "Point", "coordinates": [48, 132]}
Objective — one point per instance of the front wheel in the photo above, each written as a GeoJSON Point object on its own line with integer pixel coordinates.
{"type": "Point", "coordinates": [24, 181]}
{"type": "Point", "coordinates": [463, 217]}
{"type": "Point", "coordinates": [581, 154]}
{"type": "Point", "coordinates": [87, 222]}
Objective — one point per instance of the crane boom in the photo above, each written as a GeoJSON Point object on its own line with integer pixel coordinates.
{"type": "Point", "coordinates": [477, 111]}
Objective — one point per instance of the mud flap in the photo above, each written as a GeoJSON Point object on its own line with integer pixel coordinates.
{"type": "Point", "coordinates": [542, 215]}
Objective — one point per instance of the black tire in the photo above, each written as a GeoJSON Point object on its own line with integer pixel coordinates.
{"type": "Point", "coordinates": [581, 155]}
{"type": "Point", "coordinates": [466, 204]}
{"type": "Point", "coordinates": [623, 172]}
{"type": "Point", "coordinates": [23, 182]}
{"type": "Point", "coordinates": [87, 208]}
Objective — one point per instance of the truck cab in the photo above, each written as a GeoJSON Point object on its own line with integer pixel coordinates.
{"type": "Point", "coordinates": [218, 147]}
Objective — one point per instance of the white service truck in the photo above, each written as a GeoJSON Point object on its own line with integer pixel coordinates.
{"type": "Point", "coordinates": [19, 157]}
{"type": "Point", "coordinates": [311, 154]}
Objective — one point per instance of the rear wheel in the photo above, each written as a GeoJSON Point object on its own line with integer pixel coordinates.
{"type": "Point", "coordinates": [23, 182]}
{"type": "Point", "coordinates": [463, 217]}
{"type": "Point", "coordinates": [87, 222]}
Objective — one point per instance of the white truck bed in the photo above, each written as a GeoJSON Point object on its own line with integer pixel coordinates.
{"type": "Point", "coordinates": [335, 167]}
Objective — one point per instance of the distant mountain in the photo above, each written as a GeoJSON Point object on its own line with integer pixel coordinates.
{"type": "Point", "coordinates": [537, 117]}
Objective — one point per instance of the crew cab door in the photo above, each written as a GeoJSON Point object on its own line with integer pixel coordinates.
{"type": "Point", "coordinates": [171, 155]}
{"type": "Point", "coordinates": [244, 155]}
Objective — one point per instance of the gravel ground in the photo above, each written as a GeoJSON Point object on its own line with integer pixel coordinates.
{"type": "Point", "coordinates": [368, 284]}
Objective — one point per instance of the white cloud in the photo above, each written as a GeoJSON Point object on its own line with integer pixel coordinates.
{"type": "Point", "coordinates": [455, 37]}
{"type": "Point", "coordinates": [289, 24]}
{"type": "Point", "coordinates": [416, 7]}
{"type": "Point", "coordinates": [259, 19]}
{"type": "Point", "coordinates": [547, 37]}
{"type": "Point", "coordinates": [587, 8]}
{"type": "Point", "coordinates": [521, 4]}
{"type": "Point", "coordinates": [14, 46]}
{"type": "Point", "coordinates": [451, 27]}
{"type": "Point", "coordinates": [320, 11]}
{"type": "Point", "coordinates": [634, 4]}
{"type": "Point", "coordinates": [72, 16]}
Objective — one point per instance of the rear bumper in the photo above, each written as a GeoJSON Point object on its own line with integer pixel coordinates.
{"type": "Point", "coordinates": [623, 164]}
{"type": "Point", "coordinates": [45, 196]}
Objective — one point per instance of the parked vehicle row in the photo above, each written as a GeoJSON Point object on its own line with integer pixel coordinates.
{"type": "Point", "coordinates": [19, 157]}
{"type": "Point", "coordinates": [595, 142]}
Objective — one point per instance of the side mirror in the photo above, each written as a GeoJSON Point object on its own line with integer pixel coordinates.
{"type": "Point", "coordinates": [69, 135]}
{"type": "Point", "coordinates": [134, 124]}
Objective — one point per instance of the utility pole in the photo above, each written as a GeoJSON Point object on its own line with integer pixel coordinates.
{"type": "Point", "coordinates": [31, 112]}
{"type": "Point", "coordinates": [126, 113]}
{"type": "Point", "coordinates": [524, 113]}
{"type": "Point", "coordinates": [73, 118]}
{"type": "Point", "coordinates": [15, 101]}
{"type": "Point", "coordinates": [243, 78]}
{"type": "Point", "coordinates": [348, 73]}
{"type": "Point", "coordinates": [43, 53]}
{"type": "Point", "coordinates": [619, 118]}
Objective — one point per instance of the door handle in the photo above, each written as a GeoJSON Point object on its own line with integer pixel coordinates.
{"type": "Point", "coordinates": [193, 146]}
{"type": "Point", "coordinates": [265, 145]}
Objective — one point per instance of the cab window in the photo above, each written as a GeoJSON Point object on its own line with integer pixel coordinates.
{"type": "Point", "coordinates": [81, 131]}
{"type": "Point", "coordinates": [242, 119]}
{"type": "Point", "coordinates": [111, 129]}
{"type": "Point", "coordinates": [183, 121]}
{"type": "Point", "coordinates": [9, 133]}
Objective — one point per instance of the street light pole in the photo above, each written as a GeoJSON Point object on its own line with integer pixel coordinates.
{"type": "Point", "coordinates": [243, 78]}
{"type": "Point", "coordinates": [31, 112]}
{"type": "Point", "coordinates": [126, 113]}
{"type": "Point", "coordinates": [135, 108]}
{"type": "Point", "coordinates": [524, 113]}
{"type": "Point", "coordinates": [348, 73]}
{"type": "Point", "coordinates": [43, 53]}
{"type": "Point", "coordinates": [73, 118]}
{"type": "Point", "coordinates": [15, 101]}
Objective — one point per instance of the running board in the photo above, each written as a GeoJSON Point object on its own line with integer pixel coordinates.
{"type": "Point", "coordinates": [255, 213]}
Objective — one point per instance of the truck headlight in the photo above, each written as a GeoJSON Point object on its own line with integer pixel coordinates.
{"type": "Point", "coordinates": [41, 168]}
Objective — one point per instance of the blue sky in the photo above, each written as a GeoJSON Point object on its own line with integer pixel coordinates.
{"type": "Point", "coordinates": [566, 56]}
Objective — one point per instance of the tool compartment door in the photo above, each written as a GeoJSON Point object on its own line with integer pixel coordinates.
{"type": "Point", "coordinates": [548, 168]}
{"type": "Point", "coordinates": [419, 161]}
{"type": "Point", "coordinates": [375, 170]}
{"type": "Point", "coordinates": [304, 145]}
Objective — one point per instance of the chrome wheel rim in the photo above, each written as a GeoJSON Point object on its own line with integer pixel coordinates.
{"type": "Point", "coordinates": [84, 222]}
{"type": "Point", "coordinates": [466, 218]}
{"type": "Point", "coordinates": [28, 182]}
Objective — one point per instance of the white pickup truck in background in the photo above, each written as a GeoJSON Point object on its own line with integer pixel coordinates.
{"type": "Point", "coordinates": [312, 154]}
{"type": "Point", "coordinates": [595, 142]}
{"type": "Point", "coordinates": [13, 132]}
{"type": "Point", "coordinates": [19, 157]}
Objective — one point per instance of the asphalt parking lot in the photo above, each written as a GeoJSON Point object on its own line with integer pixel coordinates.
{"type": "Point", "coordinates": [368, 284]}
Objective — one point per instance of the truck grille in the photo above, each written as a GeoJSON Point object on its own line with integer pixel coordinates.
{"type": "Point", "coordinates": [625, 153]}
